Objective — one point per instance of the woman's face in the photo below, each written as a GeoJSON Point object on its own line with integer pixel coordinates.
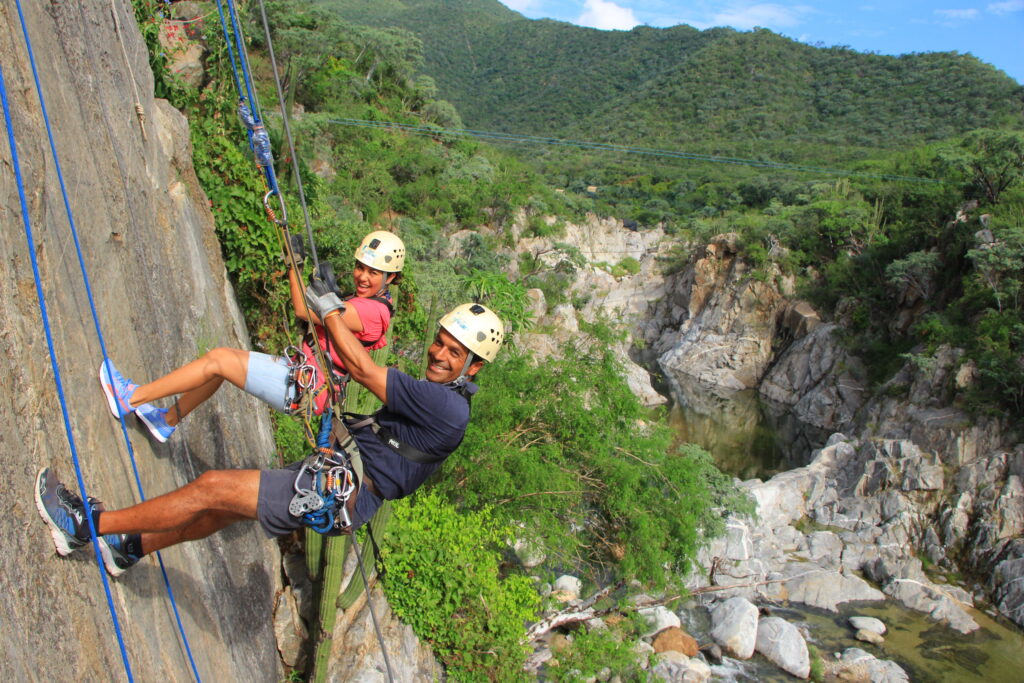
{"type": "Point", "coordinates": [367, 280]}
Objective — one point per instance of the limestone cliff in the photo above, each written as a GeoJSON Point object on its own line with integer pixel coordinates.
{"type": "Point", "coordinates": [162, 297]}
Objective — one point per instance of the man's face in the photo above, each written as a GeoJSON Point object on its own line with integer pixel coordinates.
{"type": "Point", "coordinates": [446, 356]}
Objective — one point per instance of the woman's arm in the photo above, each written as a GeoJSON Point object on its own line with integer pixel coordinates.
{"type": "Point", "coordinates": [350, 317]}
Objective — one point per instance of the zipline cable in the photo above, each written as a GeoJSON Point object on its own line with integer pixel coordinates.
{"type": "Point", "coordinates": [56, 370]}
{"type": "Point", "coordinates": [96, 324]}
{"type": "Point", "coordinates": [608, 147]}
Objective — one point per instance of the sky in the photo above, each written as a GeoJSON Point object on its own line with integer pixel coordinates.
{"type": "Point", "coordinates": [992, 31]}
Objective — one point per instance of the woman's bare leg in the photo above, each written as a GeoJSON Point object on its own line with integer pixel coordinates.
{"type": "Point", "coordinates": [215, 366]}
{"type": "Point", "coordinates": [191, 400]}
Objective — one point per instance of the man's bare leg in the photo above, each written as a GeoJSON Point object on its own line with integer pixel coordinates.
{"type": "Point", "coordinates": [209, 503]}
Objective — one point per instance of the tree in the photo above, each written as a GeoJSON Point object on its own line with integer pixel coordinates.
{"type": "Point", "coordinates": [987, 162]}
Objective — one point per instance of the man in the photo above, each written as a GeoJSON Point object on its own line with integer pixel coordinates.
{"type": "Point", "coordinates": [421, 423]}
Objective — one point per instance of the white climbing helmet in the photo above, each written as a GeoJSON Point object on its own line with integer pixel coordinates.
{"type": "Point", "coordinates": [477, 328]}
{"type": "Point", "coordinates": [383, 251]}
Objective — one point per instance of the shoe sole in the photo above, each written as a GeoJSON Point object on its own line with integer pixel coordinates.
{"type": "Point", "coordinates": [108, 559]}
{"type": "Point", "coordinates": [152, 428]}
{"type": "Point", "coordinates": [60, 538]}
{"type": "Point", "coordinates": [108, 389]}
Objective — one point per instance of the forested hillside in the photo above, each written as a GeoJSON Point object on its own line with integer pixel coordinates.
{"type": "Point", "coordinates": [714, 91]}
{"type": "Point", "coordinates": [860, 248]}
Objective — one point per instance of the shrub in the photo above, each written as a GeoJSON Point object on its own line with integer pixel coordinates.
{"type": "Point", "coordinates": [443, 580]}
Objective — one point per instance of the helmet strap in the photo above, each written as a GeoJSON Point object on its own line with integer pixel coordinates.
{"type": "Point", "coordinates": [461, 380]}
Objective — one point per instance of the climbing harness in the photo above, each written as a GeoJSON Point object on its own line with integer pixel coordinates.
{"type": "Point", "coordinates": [387, 437]}
{"type": "Point", "coordinates": [335, 474]}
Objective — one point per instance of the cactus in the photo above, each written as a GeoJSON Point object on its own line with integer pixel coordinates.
{"type": "Point", "coordinates": [327, 554]}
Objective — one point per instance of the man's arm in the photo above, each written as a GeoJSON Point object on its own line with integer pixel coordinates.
{"type": "Point", "coordinates": [357, 361]}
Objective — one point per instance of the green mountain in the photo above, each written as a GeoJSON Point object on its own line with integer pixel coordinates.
{"type": "Point", "coordinates": [718, 91]}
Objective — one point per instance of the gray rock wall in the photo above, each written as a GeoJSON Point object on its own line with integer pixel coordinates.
{"type": "Point", "coordinates": [163, 298]}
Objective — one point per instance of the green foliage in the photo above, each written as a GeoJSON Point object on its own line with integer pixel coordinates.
{"type": "Point", "coordinates": [443, 580]}
{"type": "Point", "coordinates": [817, 674]}
{"type": "Point", "coordinates": [595, 650]}
{"type": "Point", "coordinates": [564, 449]}
{"type": "Point", "coordinates": [290, 439]}
{"type": "Point", "coordinates": [986, 162]}
{"type": "Point", "coordinates": [627, 266]}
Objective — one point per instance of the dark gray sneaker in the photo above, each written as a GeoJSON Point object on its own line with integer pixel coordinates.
{"type": "Point", "coordinates": [63, 511]}
{"type": "Point", "coordinates": [116, 557]}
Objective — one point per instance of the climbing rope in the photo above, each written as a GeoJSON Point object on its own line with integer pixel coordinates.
{"type": "Point", "coordinates": [99, 335]}
{"type": "Point", "coordinates": [139, 111]}
{"type": "Point", "coordinates": [56, 368]}
{"type": "Point", "coordinates": [284, 233]}
{"type": "Point", "coordinates": [259, 142]}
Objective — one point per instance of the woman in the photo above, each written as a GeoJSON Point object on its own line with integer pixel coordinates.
{"type": "Point", "coordinates": [273, 379]}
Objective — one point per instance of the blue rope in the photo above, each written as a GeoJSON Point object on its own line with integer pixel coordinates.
{"type": "Point", "coordinates": [99, 335]}
{"type": "Point", "coordinates": [231, 52]}
{"type": "Point", "coordinates": [56, 369]}
{"type": "Point", "coordinates": [248, 96]}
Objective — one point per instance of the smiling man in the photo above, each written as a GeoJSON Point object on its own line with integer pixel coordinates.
{"type": "Point", "coordinates": [392, 452]}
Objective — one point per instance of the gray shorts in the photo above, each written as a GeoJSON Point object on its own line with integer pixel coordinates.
{"type": "Point", "coordinates": [267, 380]}
{"type": "Point", "coordinates": [276, 490]}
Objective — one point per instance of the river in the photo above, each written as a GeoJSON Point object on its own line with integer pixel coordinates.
{"type": "Point", "coordinates": [751, 438]}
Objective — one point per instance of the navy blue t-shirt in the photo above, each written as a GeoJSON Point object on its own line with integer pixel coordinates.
{"type": "Point", "coordinates": [428, 416]}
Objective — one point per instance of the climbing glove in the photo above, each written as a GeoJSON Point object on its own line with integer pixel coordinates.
{"type": "Point", "coordinates": [298, 251]}
{"type": "Point", "coordinates": [322, 299]}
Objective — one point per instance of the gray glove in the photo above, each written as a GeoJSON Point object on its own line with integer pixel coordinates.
{"type": "Point", "coordinates": [322, 299]}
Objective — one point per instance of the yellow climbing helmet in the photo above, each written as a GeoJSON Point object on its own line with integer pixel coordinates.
{"type": "Point", "coordinates": [477, 328]}
{"type": "Point", "coordinates": [383, 251]}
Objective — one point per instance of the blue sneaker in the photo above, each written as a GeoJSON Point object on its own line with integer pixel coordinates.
{"type": "Point", "coordinates": [118, 389]}
{"type": "Point", "coordinates": [63, 511]}
{"type": "Point", "coordinates": [116, 557]}
{"type": "Point", "coordinates": [156, 419]}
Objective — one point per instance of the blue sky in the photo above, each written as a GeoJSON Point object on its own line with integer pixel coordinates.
{"type": "Point", "coordinates": [991, 31]}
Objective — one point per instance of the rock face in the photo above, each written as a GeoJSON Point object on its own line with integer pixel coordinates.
{"type": "Point", "coordinates": [356, 655]}
{"type": "Point", "coordinates": [867, 499]}
{"type": "Point", "coordinates": [721, 321]}
{"type": "Point", "coordinates": [627, 298]}
{"type": "Point", "coordinates": [162, 297]}
{"type": "Point", "coordinates": [819, 382]}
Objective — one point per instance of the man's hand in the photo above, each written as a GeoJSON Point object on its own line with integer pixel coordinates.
{"type": "Point", "coordinates": [322, 299]}
{"type": "Point", "coordinates": [298, 251]}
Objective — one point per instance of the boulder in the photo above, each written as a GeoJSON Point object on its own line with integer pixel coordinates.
{"type": "Point", "coordinates": [658, 619]}
{"type": "Point", "coordinates": [828, 589]}
{"type": "Point", "coordinates": [875, 670]}
{"type": "Point", "coordinates": [868, 624]}
{"type": "Point", "coordinates": [781, 643]}
{"type": "Point", "coordinates": [734, 626]}
{"type": "Point", "coordinates": [674, 638]}
{"type": "Point", "coordinates": [566, 588]}
{"type": "Point", "coordinates": [867, 636]}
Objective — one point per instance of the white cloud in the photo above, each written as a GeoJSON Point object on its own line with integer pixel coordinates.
{"type": "Point", "coordinates": [957, 14]}
{"type": "Point", "coordinates": [607, 16]}
{"type": "Point", "coordinates": [765, 15]}
{"type": "Point", "coordinates": [1007, 7]}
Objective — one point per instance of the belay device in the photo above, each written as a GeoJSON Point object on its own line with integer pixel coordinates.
{"type": "Point", "coordinates": [323, 506]}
